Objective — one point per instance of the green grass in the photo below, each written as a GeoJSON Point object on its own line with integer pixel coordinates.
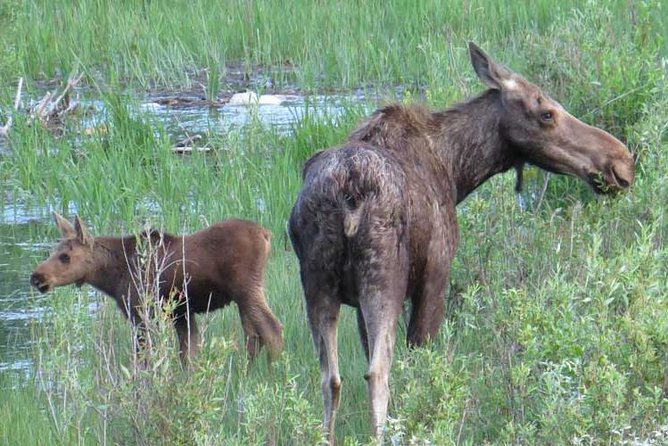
{"type": "Point", "coordinates": [558, 319]}
{"type": "Point", "coordinates": [336, 43]}
{"type": "Point", "coordinates": [24, 420]}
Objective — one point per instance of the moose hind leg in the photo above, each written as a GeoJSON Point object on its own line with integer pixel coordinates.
{"type": "Point", "coordinates": [381, 318]}
{"type": "Point", "coordinates": [382, 292]}
{"type": "Point", "coordinates": [323, 308]}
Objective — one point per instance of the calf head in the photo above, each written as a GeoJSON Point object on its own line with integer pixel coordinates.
{"type": "Point", "coordinates": [71, 260]}
{"type": "Point", "coordinates": [543, 133]}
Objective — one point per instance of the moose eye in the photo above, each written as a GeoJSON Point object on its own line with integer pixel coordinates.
{"type": "Point", "coordinates": [65, 258]}
{"type": "Point", "coordinates": [546, 117]}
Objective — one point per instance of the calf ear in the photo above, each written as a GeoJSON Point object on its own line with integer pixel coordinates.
{"type": "Point", "coordinates": [494, 75]}
{"type": "Point", "coordinates": [66, 228]}
{"type": "Point", "coordinates": [82, 232]}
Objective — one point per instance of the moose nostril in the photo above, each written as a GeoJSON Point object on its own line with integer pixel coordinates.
{"type": "Point", "coordinates": [620, 179]}
{"type": "Point", "coordinates": [36, 279]}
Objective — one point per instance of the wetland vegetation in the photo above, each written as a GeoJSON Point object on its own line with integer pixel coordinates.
{"type": "Point", "coordinates": [557, 328]}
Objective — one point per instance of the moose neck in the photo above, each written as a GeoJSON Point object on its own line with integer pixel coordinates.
{"type": "Point", "coordinates": [470, 142]}
{"type": "Point", "coordinates": [112, 259]}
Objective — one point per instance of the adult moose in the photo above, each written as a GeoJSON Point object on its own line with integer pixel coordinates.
{"type": "Point", "coordinates": [375, 222]}
{"type": "Point", "coordinates": [206, 270]}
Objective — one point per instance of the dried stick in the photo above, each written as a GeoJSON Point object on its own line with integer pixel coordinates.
{"type": "Point", "coordinates": [4, 130]}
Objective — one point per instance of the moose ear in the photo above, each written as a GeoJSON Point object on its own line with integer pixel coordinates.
{"type": "Point", "coordinates": [494, 75]}
{"type": "Point", "coordinates": [82, 232]}
{"type": "Point", "coordinates": [66, 228]}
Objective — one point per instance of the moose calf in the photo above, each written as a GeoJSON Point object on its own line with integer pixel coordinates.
{"type": "Point", "coordinates": [205, 271]}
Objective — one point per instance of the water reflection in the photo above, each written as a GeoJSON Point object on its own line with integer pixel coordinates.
{"type": "Point", "coordinates": [19, 306]}
{"type": "Point", "coordinates": [182, 115]}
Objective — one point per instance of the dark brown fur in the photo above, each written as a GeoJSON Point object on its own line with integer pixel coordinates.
{"type": "Point", "coordinates": [375, 222]}
{"type": "Point", "coordinates": [206, 270]}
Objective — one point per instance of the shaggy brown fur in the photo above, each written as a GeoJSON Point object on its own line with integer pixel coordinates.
{"type": "Point", "coordinates": [375, 222]}
{"type": "Point", "coordinates": [206, 270]}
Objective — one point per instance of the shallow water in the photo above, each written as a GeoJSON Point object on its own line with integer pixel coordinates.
{"type": "Point", "coordinates": [20, 307]}
{"type": "Point", "coordinates": [228, 117]}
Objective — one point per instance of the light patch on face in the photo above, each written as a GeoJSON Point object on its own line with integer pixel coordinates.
{"type": "Point", "coordinates": [560, 107]}
{"type": "Point", "coordinates": [510, 84]}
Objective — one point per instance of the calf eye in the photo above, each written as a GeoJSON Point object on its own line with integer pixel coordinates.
{"type": "Point", "coordinates": [64, 258]}
{"type": "Point", "coordinates": [546, 117]}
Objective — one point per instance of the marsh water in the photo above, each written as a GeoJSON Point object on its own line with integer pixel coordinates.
{"type": "Point", "coordinates": [20, 308]}
{"type": "Point", "coordinates": [24, 229]}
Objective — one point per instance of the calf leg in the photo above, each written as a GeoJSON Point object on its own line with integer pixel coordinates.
{"type": "Point", "coordinates": [188, 335]}
{"type": "Point", "coordinates": [141, 337]}
{"type": "Point", "coordinates": [253, 340]}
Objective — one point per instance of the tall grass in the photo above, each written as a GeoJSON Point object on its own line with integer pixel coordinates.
{"type": "Point", "coordinates": [557, 328]}
{"type": "Point", "coordinates": [336, 43]}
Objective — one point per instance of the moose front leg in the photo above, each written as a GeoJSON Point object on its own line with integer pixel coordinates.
{"type": "Point", "coordinates": [189, 339]}
{"type": "Point", "coordinates": [428, 300]}
{"type": "Point", "coordinates": [139, 316]}
{"type": "Point", "coordinates": [140, 338]}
